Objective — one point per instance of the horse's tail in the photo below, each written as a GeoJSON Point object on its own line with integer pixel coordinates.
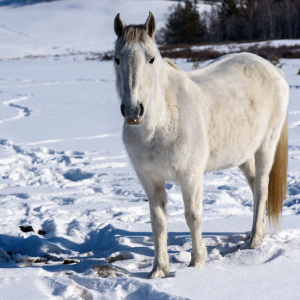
{"type": "Point", "coordinates": [278, 178]}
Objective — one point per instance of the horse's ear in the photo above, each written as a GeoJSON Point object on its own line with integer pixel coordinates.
{"type": "Point", "coordinates": [150, 25]}
{"type": "Point", "coordinates": [119, 25]}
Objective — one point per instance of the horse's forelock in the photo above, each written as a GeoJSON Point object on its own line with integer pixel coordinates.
{"type": "Point", "coordinates": [134, 33]}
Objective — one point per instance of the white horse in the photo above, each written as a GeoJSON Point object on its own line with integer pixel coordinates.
{"type": "Point", "coordinates": [179, 125]}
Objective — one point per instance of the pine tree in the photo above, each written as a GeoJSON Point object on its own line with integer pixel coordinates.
{"type": "Point", "coordinates": [228, 16]}
{"type": "Point", "coordinates": [184, 24]}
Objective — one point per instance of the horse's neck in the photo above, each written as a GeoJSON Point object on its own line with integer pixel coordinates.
{"type": "Point", "coordinates": [162, 114]}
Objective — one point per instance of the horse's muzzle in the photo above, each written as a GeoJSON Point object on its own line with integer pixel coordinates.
{"type": "Point", "coordinates": [132, 115]}
{"type": "Point", "coordinates": [133, 122]}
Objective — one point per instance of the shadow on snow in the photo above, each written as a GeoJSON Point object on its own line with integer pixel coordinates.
{"type": "Point", "coordinates": [101, 247]}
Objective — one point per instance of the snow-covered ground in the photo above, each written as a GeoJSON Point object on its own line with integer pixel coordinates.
{"type": "Point", "coordinates": [70, 26]}
{"type": "Point", "coordinates": [64, 171]}
{"type": "Point", "coordinates": [240, 47]}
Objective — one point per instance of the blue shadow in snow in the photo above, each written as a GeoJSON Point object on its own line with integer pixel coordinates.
{"type": "Point", "coordinates": [98, 247]}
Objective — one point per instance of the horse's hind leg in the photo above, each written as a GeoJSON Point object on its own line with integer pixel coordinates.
{"type": "Point", "coordinates": [264, 158]}
{"type": "Point", "coordinates": [248, 169]}
{"type": "Point", "coordinates": [192, 189]}
{"type": "Point", "coordinates": [156, 194]}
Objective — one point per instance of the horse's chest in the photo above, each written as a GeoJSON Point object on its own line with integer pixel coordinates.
{"type": "Point", "coordinates": [152, 159]}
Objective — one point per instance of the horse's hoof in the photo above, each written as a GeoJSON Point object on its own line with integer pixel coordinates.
{"type": "Point", "coordinates": [158, 273]}
{"type": "Point", "coordinates": [196, 264]}
{"type": "Point", "coordinates": [255, 243]}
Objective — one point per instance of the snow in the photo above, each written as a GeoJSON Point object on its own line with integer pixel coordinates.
{"type": "Point", "coordinates": [240, 47]}
{"type": "Point", "coordinates": [66, 27]}
{"type": "Point", "coordinates": [65, 172]}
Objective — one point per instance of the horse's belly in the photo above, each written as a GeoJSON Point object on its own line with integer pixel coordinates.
{"type": "Point", "coordinates": [227, 161]}
{"type": "Point", "coordinates": [234, 149]}
{"type": "Point", "coordinates": [227, 157]}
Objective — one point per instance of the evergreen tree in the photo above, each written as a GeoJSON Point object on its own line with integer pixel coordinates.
{"type": "Point", "coordinates": [230, 21]}
{"type": "Point", "coordinates": [184, 24]}
{"type": "Point", "coordinates": [233, 20]}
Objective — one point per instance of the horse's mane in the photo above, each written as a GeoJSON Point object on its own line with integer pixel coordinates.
{"type": "Point", "coordinates": [172, 64]}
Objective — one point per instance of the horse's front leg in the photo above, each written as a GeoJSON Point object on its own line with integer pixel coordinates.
{"type": "Point", "coordinates": [192, 190]}
{"type": "Point", "coordinates": [156, 194]}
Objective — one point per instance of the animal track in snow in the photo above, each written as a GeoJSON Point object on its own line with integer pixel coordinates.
{"type": "Point", "coordinates": [23, 111]}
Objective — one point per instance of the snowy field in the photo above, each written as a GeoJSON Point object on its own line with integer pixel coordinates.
{"type": "Point", "coordinates": [64, 172]}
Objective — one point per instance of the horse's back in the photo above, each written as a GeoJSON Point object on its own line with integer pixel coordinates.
{"type": "Point", "coordinates": [252, 67]}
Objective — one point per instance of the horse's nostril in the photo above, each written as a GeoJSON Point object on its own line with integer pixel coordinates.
{"type": "Point", "coordinates": [123, 110]}
{"type": "Point", "coordinates": [141, 110]}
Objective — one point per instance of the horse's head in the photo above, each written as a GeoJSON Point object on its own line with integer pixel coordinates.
{"type": "Point", "coordinates": [135, 59]}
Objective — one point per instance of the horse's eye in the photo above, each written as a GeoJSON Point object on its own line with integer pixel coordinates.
{"type": "Point", "coordinates": [151, 61]}
{"type": "Point", "coordinates": [117, 60]}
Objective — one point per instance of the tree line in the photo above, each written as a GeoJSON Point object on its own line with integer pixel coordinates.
{"type": "Point", "coordinates": [232, 20]}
